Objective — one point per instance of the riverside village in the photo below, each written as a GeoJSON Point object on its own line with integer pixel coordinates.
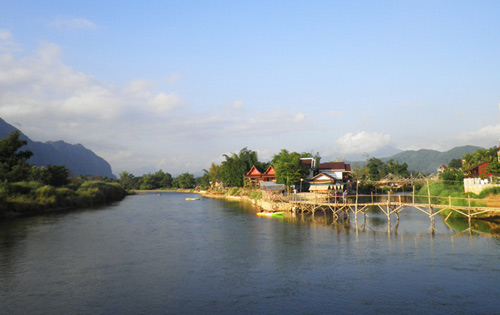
{"type": "Point", "coordinates": [335, 189]}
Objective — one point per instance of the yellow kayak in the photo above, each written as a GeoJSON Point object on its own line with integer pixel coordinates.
{"type": "Point", "coordinates": [270, 213]}
{"type": "Point", "coordinates": [192, 199]}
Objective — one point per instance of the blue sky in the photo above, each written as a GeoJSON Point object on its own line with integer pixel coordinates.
{"type": "Point", "coordinates": [173, 85]}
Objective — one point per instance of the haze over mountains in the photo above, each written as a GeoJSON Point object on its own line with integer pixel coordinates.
{"type": "Point", "coordinates": [78, 159]}
{"type": "Point", "coordinates": [82, 161]}
{"type": "Point", "coordinates": [426, 161]}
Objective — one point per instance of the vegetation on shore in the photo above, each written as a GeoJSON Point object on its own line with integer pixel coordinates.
{"type": "Point", "coordinates": [251, 193]}
{"type": "Point", "coordinates": [27, 190]}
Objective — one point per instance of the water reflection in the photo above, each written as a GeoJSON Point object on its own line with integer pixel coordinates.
{"type": "Point", "coordinates": [411, 222]}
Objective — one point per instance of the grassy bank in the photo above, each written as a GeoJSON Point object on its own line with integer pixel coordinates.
{"type": "Point", "coordinates": [251, 193]}
{"type": "Point", "coordinates": [441, 193]}
{"type": "Point", "coordinates": [31, 198]}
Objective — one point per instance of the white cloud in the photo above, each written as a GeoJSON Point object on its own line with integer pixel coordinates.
{"type": "Point", "coordinates": [164, 102]}
{"type": "Point", "coordinates": [7, 43]}
{"type": "Point", "coordinates": [238, 104]}
{"type": "Point", "coordinates": [299, 117]}
{"type": "Point", "coordinates": [73, 23]}
{"type": "Point", "coordinates": [362, 142]}
{"type": "Point", "coordinates": [486, 136]}
{"type": "Point", "coordinates": [53, 101]}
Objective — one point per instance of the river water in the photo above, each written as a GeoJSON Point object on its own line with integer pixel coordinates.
{"type": "Point", "coordinates": [155, 254]}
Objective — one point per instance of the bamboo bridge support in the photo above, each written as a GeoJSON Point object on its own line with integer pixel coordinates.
{"type": "Point", "coordinates": [390, 205]}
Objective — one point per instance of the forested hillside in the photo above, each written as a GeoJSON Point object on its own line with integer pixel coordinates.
{"type": "Point", "coordinates": [75, 157]}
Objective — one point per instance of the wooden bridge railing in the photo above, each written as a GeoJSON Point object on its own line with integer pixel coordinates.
{"type": "Point", "coordinates": [363, 199]}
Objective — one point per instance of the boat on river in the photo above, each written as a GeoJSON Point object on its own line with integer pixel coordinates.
{"type": "Point", "coordinates": [270, 213]}
{"type": "Point", "coordinates": [190, 199]}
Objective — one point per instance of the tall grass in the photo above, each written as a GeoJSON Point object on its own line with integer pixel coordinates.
{"type": "Point", "coordinates": [32, 197]}
{"type": "Point", "coordinates": [454, 195]}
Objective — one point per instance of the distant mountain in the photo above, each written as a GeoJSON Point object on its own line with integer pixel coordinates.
{"type": "Point", "coordinates": [78, 159]}
{"type": "Point", "coordinates": [386, 151]}
{"type": "Point", "coordinates": [428, 161]}
{"type": "Point", "coordinates": [380, 153]}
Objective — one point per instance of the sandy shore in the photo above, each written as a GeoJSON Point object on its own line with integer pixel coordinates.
{"type": "Point", "coordinates": [260, 204]}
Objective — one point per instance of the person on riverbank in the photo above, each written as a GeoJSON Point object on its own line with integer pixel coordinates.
{"type": "Point", "coordinates": [345, 196]}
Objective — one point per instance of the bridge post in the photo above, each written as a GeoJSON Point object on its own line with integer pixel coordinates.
{"type": "Point", "coordinates": [389, 206]}
{"type": "Point", "coordinates": [468, 211]}
{"type": "Point", "coordinates": [430, 203]}
{"type": "Point", "coordinates": [413, 196]}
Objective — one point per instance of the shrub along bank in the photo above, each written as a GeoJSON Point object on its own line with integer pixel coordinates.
{"type": "Point", "coordinates": [31, 198]}
{"type": "Point", "coordinates": [458, 198]}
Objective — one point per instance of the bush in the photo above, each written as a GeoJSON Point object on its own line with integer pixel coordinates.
{"type": "Point", "coordinates": [256, 194]}
{"type": "Point", "coordinates": [234, 191]}
{"type": "Point", "coordinates": [92, 193]}
{"type": "Point", "coordinates": [22, 188]}
{"type": "Point", "coordinates": [66, 197]}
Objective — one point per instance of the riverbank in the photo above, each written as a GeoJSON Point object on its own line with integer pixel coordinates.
{"type": "Point", "coordinates": [248, 196]}
{"type": "Point", "coordinates": [32, 198]}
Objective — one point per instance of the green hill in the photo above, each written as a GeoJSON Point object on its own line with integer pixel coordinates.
{"type": "Point", "coordinates": [428, 161]}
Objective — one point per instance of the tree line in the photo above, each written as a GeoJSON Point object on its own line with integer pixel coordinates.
{"type": "Point", "coordinates": [160, 180]}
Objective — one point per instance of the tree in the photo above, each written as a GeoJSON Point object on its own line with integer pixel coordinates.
{"type": "Point", "coordinates": [455, 163]}
{"type": "Point", "coordinates": [164, 179]}
{"type": "Point", "coordinates": [157, 180]}
{"type": "Point", "coordinates": [395, 168]}
{"type": "Point", "coordinates": [204, 180]}
{"type": "Point", "coordinates": [127, 180]}
{"type": "Point", "coordinates": [289, 169]}
{"type": "Point", "coordinates": [232, 171]}
{"type": "Point", "coordinates": [13, 163]}
{"type": "Point", "coordinates": [480, 156]}
{"type": "Point", "coordinates": [376, 169]}
{"type": "Point", "coordinates": [214, 172]}
{"type": "Point", "coordinates": [494, 167]}
{"type": "Point", "coordinates": [185, 181]}
{"type": "Point", "coordinates": [53, 175]}
{"type": "Point", "coordinates": [452, 177]}
{"type": "Point", "coordinates": [358, 172]}
{"type": "Point", "coordinates": [149, 181]}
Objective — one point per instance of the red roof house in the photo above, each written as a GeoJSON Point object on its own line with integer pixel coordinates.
{"type": "Point", "coordinates": [257, 176]}
{"type": "Point", "coordinates": [479, 170]}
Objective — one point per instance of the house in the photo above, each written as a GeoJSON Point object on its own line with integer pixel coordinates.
{"type": "Point", "coordinates": [332, 176]}
{"type": "Point", "coordinates": [324, 183]}
{"type": "Point", "coordinates": [441, 169]}
{"type": "Point", "coordinates": [338, 170]}
{"type": "Point", "coordinates": [256, 176]}
{"type": "Point", "coordinates": [479, 170]}
{"type": "Point", "coordinates": [310, 163]}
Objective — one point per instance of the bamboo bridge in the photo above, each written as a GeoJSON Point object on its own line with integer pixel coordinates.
{"type": "Point", "coordinates": [391, 205]}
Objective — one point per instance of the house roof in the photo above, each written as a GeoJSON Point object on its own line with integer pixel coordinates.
{"type": "Point", "coordinates": [476, 166]}
{"type": "Point", "coordinates": [271, 186]}
{"type": "Point", "coordinates": [308, 161]}
{"type": "Point", "coordinates": [270, 171]}
{"type": "Point", "coordinates": [254, 171]}
{"type": "Point", "coordinates": [336, 166]}
{"type": "Point", "coordinates": [322, 178]}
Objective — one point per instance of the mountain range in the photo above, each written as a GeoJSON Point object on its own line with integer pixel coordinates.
{"type": "Point", "coordinates": [75, 157]}
{"type": "Point", "coordinates": [427, 161]}
{"type": "Point", "coordinates": [82, 161]}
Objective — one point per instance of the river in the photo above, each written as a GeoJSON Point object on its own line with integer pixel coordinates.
{"type": "Point", "coordinates": [155, 254]}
